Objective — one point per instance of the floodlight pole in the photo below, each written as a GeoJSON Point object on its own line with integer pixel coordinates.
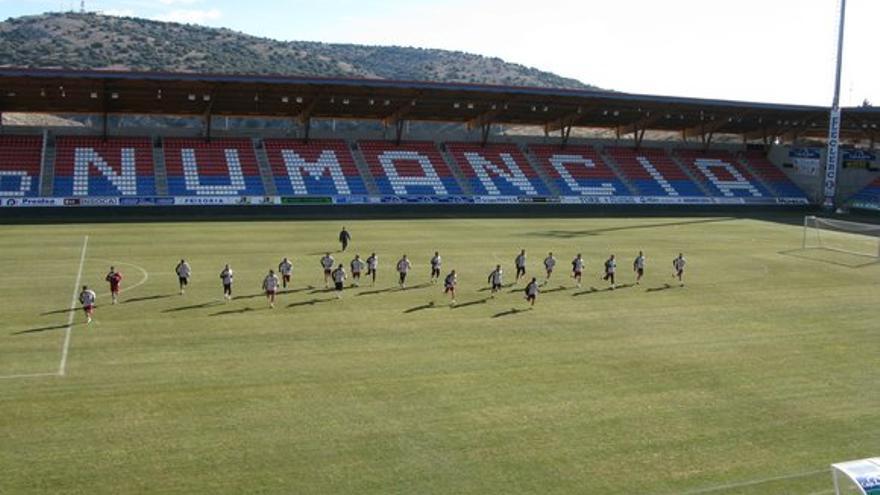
{"type": "Point", "coordinates": [832, 158]}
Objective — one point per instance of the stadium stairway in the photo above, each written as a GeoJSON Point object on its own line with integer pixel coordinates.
{"type": "Point", "coordinates": [361, 163]}
{"type": "Point", "coordinates": [47, 165]}
{"type": "Point", "coordinates": [265, 170]}
{"type": "Point", "coordinates": [159, 170]}
{"type": "Point", "coordinates": [700, 183]}
{"type": "Point", "coordinates": [615, 167]}
{"type": "Point", "coordinates": [542, 173]}
{"type": "Point", "coordinates": [741, 160]}
{"type": "Point", "coordinates": [456, 172]}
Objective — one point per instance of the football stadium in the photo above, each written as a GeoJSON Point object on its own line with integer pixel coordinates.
{"type": "Point", "coordinates": [684, 301]}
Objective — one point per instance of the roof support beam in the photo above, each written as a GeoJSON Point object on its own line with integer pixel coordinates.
{"type": "Point", "coordinates": [486, 117]}
{"type": "Point", "coordinates": [639, 127]}
{"type": "Point", "coordinates": [398, 114]}
{"type": "Point", "coordinates": [208, 116]}
{"type": "Point", "coordinates": [398, 131]}
{"type": "Point", "coordinates": [567, 120]}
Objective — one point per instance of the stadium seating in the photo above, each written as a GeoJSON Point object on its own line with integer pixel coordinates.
{"type": "Point", "coordinates": [653, 172]}
{"type": "Point", "coordinates": [497, 170]}
{"type": "Point", "coordinates": [20, 159]}
{"type": "Point", "coordinates": [412, 168]}
{"type": "Point", "coordinates": [722, 174]}
{"type": "Point", "coordinates": [578, 171]}
{"type": "Point", "coordinates": [91, 166]}
{"type": "Point", "coordinates": [221, 167]}
{"type": "Point", "coordinates": [870, 193]}
{"type": "Point", "coordinates": [772, 175]}
{"type": "Point", "coordinates": [319, 167]}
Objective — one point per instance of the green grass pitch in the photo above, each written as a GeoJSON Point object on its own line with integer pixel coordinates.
{"type": "Point", "coordinates": [749, 380]}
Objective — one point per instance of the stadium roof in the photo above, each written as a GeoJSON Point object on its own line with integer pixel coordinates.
{"type": "Point", "coordinates": [305, 98]}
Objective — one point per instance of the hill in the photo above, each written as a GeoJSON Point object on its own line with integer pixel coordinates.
{"type": "Point", "coordinates": [93, 41]}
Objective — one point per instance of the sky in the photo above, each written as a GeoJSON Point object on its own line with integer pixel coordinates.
{"type": "Point", "coordinates": [774, 51]}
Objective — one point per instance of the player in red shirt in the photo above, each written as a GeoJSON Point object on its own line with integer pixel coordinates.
{"type": "Point", "coordinates": [115, 279]}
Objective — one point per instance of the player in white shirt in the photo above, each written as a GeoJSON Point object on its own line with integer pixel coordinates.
{"type": "Point", "coordinates": [357, 266]}
{"type": "Point", "coordinates": [327, 263]}
{"type": "Point", "coordinates": [227, 276]}
{"type": "Point", "coordinates": [449, 285]}
{"type": "Point", "coordinates": [403, 267]}
{"type": "Point", "coordinates": [372, 265]}
{"type": "Point", "coordinates": [339, 280]}
{"type": "Point", "coordinates": [285, 268]}
{"type": "Point", "coordinates": [496, 279]}
{"type": "Point", "coordinates": [610, 269]}
{"type": "Point", "coordinates": [183, 272]}
{"type": "Point", "coordinates": [520, 263]}
{"type": "Point", "coordinates": [678, 265]}
{"type": "Point", "coordinates": [532, 291]}
{"type": "Point", "coordinates": [549, 265]}
{"type": "Point", "coordinates": [577, 268]}
{"type": "Point", "coordinates": [436, 261]}
{"type": "Point", "coordinates": [87, 298]}
{"type": "Point", "coordinates": [270, 285]}
{"type": "Point", "coordinates": [639, 267]}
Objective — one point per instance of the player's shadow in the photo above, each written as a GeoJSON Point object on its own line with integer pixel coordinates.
{"type": "Point", "coordinates": [192, 306]}
{"type": "Point", "coordinates": [41, 329]}
{"type": "Point", "coordinates": [310, 302]}
{"type": "Point", "coordinates": [510, 312]}
{"type": "Point", "coordinates": [558, 289]}
{"type": "Point", "coordinates": [322, 291]}
{"type": "Point", "coordinates": [472, 303]}
{"type": "Point", "coordinates": [377, 291]}
{"type": "Point", "coordinates": [591, 290]}
{"type": "Point", "coordinates": [660, 288]}
{"type": "Point", "coordinates": [246, 309]}
{"type": "Point", "coordinates": [295, 291]}
{"type": "Point", "coordinates": [148, 298]}
{"type": "Point", "coordinates": [420, 308]}
{"type": "Point", "coordinates": [570, 234]}
{"type": "Point", "coordinates": [59, 311]}
{"type": "Point", "coordinates": [419, 286]}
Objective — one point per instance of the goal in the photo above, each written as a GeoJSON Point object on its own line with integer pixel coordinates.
{"type": "Point", "coordinates": [860, 239]}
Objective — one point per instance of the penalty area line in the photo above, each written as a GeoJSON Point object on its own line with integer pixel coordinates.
{"type": "Point", "coordinates": [62, 366]}
{"type": "Point", "coordinates": [760, 481]}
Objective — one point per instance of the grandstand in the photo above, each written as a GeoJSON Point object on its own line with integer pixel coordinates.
{"type": "Point", "coordinates": [352, 167]}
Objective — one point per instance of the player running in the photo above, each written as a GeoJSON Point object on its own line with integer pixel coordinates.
{"type": "Point", "coordinates": [183, 271]}
{"type": "Point", "coordinates": [115, 279]}
{"type": "Point", "coordinates": [610, 269]}
{"type": "Point", "coordinates": [226, 276]}
{"type": "Point", "coordinates": [436, 261]}
{"type": "Point", "coordinates": [678, 265]}
{"type": "Point", "coordinates": [87, 298]}
{"type": "Point", "coordinates": [449, 285]}
{"type": "Point", "coordinates": [532, 291]}
{"type": "Point", "coordinates": [549, 264]}
{"type": "Point", "coordinates": [344, 238]}
{"type": "Point", "coordinates": [372, 265]}
{"type": "Point", "coordinates": [357, 266]}
{"type": "Point", "coordinates": [285, 268]}
{"type": "Point", "coordinates": [270, 285]}
{"type": "Point", "coordinates": [339, 280]}
{"type": "Point", "coordinates": [639, 267]}
{"type": "Point", "coordinates": [327, 263]}
{"type": "Point", "coordinates": [520, 263]}
{"type": "Point", "coordinates": [577, 269]}
{"type": "Point", "coordinates": [495, 279]}
{"type": "Point", "coordinates": [403, 267]}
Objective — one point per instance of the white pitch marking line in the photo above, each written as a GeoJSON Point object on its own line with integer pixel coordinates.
{"type": "Point", "coordinates": [731, 486]}
{"type": "Point", "coordinates": [62, 366]}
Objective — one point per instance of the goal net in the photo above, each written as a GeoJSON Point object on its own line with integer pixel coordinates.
{"type": "Point", "coordinates": [860, 239]}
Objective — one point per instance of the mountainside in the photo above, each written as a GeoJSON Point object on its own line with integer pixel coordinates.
{"type": "Point", "coordinates": [92, 41]}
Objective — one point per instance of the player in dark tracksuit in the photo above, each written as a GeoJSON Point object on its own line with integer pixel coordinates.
{"type": "Point", "coordinates": [344, 238]}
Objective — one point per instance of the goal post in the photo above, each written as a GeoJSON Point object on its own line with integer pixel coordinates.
{"type": "Point", "coordinates": [855, 238]}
